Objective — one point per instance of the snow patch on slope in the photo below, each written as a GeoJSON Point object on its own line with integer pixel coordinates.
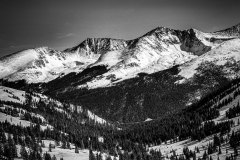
{"type": "Point", "coordinates": [96, 118]}
{"type": "Point", "coordinates": [18, 96]}
{"type": "Point", "coordinates": [17, 121]}
{"type": "Point", "coordinates": [17, 62]}
{"type": "Point", "coordinates": [66, 154]}
{"type": "Point", "coordinates": [13, 95]}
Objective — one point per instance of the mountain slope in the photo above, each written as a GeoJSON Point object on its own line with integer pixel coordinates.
{"type": "Point", "coordinates": [226, 54]}
{"type": "Point", "coordinates": [17, 96]}
{"type": "Point", "coordinates": [95, 46]}
{"type": "Point", "coordinates": [232, 31]}
{"type": "Point", "coordinates": [40, 65]}
{"type": "Point", "coordinates": [159, 49]}
{"type": "Point", "coordinates": [41, 125]}
{"type": "Point", "coordinates": [142, 77]}
{"type": "Point", "coordinates": [153, 95]}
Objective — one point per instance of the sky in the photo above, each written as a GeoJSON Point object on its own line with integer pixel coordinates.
{"type": "Point", "coordinates": [61, 24]}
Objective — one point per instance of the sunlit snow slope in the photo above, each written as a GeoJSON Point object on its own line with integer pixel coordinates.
{"type": "Point", "coordinates": [40, 65]}
{"type": "Point", "coordinates": [157, 50]}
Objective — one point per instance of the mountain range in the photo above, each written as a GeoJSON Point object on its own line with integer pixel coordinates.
{"type": "Point", "coordinates": [168, 94]}
{"type": "Point", "coordinates": [131, 80]}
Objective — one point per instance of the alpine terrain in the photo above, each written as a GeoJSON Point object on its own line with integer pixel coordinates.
{"type": "Point", "coordinates": [168, 94]}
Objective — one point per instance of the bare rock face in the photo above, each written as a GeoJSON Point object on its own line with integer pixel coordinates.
{"type": "Point", "coordinates": [97, 46]}
{"type": "Point", "coordinates": [191, 42]}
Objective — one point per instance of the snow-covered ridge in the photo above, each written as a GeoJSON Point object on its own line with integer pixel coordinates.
{"type": "Point", "coordinates": [40, 65]}
{"type": "Point", "coordinates": [157, 50]}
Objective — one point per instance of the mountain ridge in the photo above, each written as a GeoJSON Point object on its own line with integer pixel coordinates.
{"type": "Point", "coordinates": [232, 31]}
{"type": "Point", "coordinates": [137, 54]}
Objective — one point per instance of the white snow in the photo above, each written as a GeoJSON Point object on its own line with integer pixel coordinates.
{"type": "Point", "coordinates": [109, 58]}
{"type": "Point", "coordinates": [148, 119]}
{"type": "Point", "coordinates": [20, 111]}
{"type": "Point", "coordinates": [152, 53]}
{"type": "Point", "coordinates": [149, 56]}
{"type": "Point", "coordinates": [16, 62]}
{"type": "Point", "coordinates": [17, 121]}
{"type": "Point", "coordinates": [14, 120]}
{"type": "Point", "coordinates": [41, 65]}
{"type": "Point", "coordinates": [220, 55]}
{"type": "Point", "coordinates": [96, 118]}
{"type": "Point", "coordinates": [6, 94]}
{"type": "Point", "coordinates": [66, 154]}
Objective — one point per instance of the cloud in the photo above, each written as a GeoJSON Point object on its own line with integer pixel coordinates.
{"type": "Point", "coordinates": [61, 36]}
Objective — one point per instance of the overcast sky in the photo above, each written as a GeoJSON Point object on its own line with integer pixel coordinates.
{"type": "Point", "coordinates": [64, 23]}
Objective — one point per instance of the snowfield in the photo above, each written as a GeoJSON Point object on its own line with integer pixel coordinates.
{"type": "Point", "coordinates": [7, 94]}
{"type": "Point", "coordinates": [66, 154]}
{"type": "Point", "coordinates": [40, 65]}
{"type": "Point", "coordinates": [18, 96]}
{"type": "Point", "coordinates": [14, 120]}
{"type": "Point", "coordinates": [228, 51]}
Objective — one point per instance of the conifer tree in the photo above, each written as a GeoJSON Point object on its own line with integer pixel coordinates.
{"type": "Point", "coordinates": [64, 144]}
{"type": "Point", "coordinates": [47, 156]}
{"type": "Point", "coordinates": [205, 156]}
{"type": "Point", "coordinates": [50, 147]}
{"type": "Point", "coordinates": [68, 145]}
{"type": "Point", "coordinates": [76, 149]}
{"type": "Point", "coordinates": [1, 149]}
{"type": "Point", "coordinates": [54, 157]}
{"type": "Point", "coordinates": [24, 153]}
{"type": "Point", "coordinates": [82, 145]}
{"type": "Point", "coordinates": [235, 151]}
{"type": "Point", "coordinates": [14, 151]}
{"type": "Point", "coordinates": [42, 144]}
{"type": "Point", "coordinates": [91, 155]}
{"type": "Point", "coordinates": [219, 150]}
{"type": "Point", "coordinates": [108, 158]}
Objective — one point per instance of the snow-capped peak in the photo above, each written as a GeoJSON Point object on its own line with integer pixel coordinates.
{"type": "Point", "coordinates": [159, 30]}
{"type": "Point", "coordinates": [94, 47]}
